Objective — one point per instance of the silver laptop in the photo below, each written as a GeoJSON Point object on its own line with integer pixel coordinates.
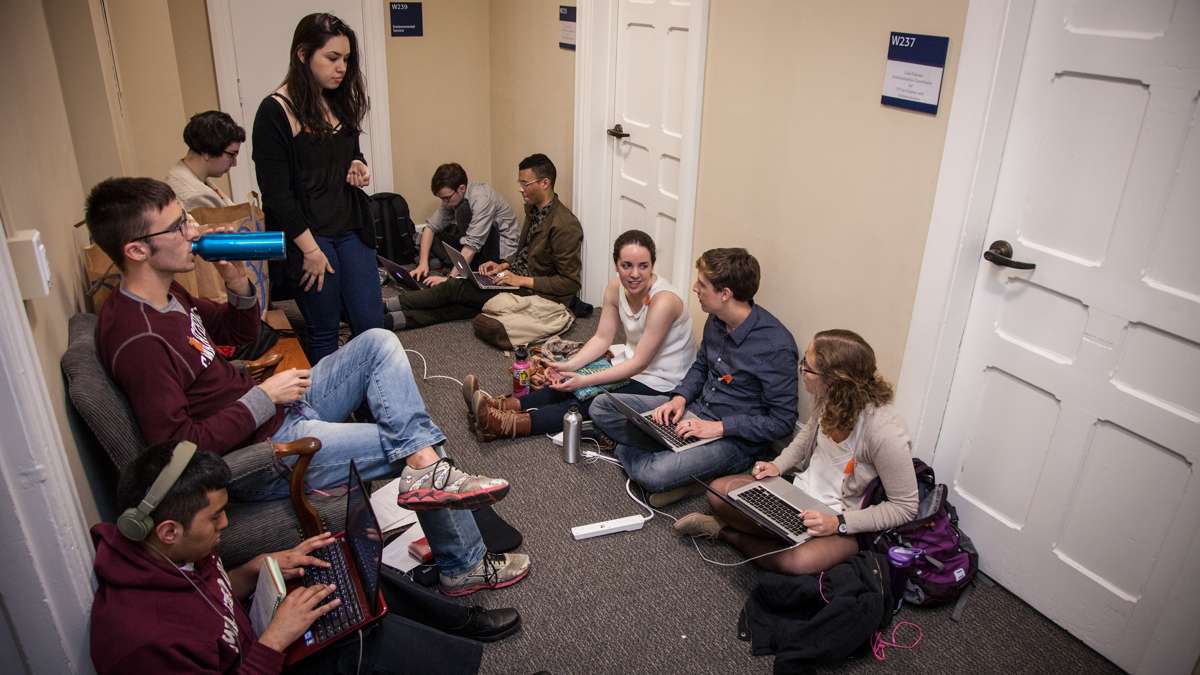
{"type": "Point", "coordinates": [483, 281]}
{"type": "Point", "coordinates": [663, 433]}
{"type": "Point", "coordinates": [775, 504]}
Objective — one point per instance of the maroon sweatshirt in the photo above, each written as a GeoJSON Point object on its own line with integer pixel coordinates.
{"type": "Point", "coordinates": [180, 388]}
{"type": "Point", "coordinates": [147, 618]}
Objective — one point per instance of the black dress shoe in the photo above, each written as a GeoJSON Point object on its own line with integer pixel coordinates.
{"type": "Point", "coordinates": [488, 625]}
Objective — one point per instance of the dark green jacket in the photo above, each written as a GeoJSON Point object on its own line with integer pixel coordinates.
{"type": "Point", "coordinates": [555, 253]}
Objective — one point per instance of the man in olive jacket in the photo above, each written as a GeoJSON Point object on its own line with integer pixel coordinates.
{"type": "Point", "coordinates": [547, 261]}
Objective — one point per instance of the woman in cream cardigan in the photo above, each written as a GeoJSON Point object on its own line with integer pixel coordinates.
{"type": "Point", "coordinates": [854, 436]}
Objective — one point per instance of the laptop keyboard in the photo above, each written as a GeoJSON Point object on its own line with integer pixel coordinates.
{"type": "Point", "coordinates": [349, 613]}
{"type": "Point", "coordinates": [784, 514]}
{"type": "Point", "coordinates": [667, 431]}
{"type": "Point", "coordinates": [484, 279]}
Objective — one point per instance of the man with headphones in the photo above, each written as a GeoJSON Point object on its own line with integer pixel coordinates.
{"type": "Point", "coordinates": [166, 604]}
{"type": "Point", "coordinates": [159, 345]}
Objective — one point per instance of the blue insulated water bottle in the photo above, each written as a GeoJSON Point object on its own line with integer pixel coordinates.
{"type": "Point", "coordinates": [240, 246]}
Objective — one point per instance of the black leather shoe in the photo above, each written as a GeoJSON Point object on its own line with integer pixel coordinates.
{"type": "Point", "coordinates": [488, 625]}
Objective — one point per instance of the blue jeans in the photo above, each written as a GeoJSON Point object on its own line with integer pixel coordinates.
{"type": "Point", "coordinates": [653, 466]}
{"type": "Point", "coordinates": [353, 287]}
{"type": "Point", "coordinates": [371, 367]}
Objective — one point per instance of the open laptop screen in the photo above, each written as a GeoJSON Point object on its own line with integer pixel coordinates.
{"type": "Point", "coordinates": [363, 535]}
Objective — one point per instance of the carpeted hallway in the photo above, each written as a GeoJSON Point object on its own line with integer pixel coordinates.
{"type": "Point", "coordinates": [645, 602]}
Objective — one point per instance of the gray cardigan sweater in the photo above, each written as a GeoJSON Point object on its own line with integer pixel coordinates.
{"type": "Point", "coordinates": [885, 450]}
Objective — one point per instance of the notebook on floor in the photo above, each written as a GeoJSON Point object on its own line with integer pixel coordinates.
{"type": "Point", "coordinates": [355, 557]}
{"type": "Point", "coordinates": [483, 281]}
{"type": "Point", "coordinates": [775, 504]}
{"type": "Point", "coordinates": [663, 433]}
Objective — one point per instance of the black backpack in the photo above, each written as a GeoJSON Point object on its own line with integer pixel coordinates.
{"type": "Point", "coordinates": [395, 234]}
{"type": "Point", "coordinates": [810, 619]}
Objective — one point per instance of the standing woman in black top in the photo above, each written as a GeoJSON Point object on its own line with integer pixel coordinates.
{"type": "Point", "coordinates": [310, 170]}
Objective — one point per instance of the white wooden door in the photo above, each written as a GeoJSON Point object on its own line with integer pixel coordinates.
{"type": "Point", "coordinates": [659, 43]}
{"type": "Point", "coordinates": [1073, 428]}
{"type": "Point", "coordinates": [251, 42]}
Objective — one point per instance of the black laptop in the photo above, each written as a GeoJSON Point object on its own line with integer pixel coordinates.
{"type": "Point", "coordinates": [355, 557]}
{"type": "Point", "coordinates": [398, 273]}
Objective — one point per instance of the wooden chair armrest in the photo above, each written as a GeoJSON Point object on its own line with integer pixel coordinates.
{"type": "Point", "coordinates": [310, 522]}
{"type": "Point", "coordinates": [264, 366]}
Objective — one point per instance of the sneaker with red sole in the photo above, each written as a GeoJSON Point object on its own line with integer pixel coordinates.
{"type": "Point", "coordinates": [447, 487]}
{"type": "Point", "coordinates": [496, 570]}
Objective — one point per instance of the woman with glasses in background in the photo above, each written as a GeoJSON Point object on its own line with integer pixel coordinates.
{"type": "Point", "coordinates": [853, 436]}
{"type": "Point", "coordinates": [213, 140]}
{"type": "Point", "coordinates": [311, 170]}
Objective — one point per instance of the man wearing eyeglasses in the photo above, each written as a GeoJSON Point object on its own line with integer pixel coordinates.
{"type": "Point", "coordinates": [547, 261]}
{"type": "Point", "coordinates": [472, 218]}
{"type": "Point", "coordinates": [156, 341]}
{"type": "Point", "coordinates": [213, 140]}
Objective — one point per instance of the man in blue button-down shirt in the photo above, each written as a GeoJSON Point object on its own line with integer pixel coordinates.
{"type": "Point", "coordinates": [742, 386]}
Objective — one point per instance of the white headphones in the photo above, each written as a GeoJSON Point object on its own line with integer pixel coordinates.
{"type": "Point", "coordinates": [135, 523]}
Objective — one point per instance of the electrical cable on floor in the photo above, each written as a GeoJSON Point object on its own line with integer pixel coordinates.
{"type": "Point", "coordinates": [425, 376]}
{"type": "Point", "coordinates": [594, 456]}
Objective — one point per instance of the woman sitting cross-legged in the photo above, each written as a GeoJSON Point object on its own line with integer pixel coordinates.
{"type": "Point", "coordinates": [854, 435]}
{"type": "Point", "coordinates": [660, 348]}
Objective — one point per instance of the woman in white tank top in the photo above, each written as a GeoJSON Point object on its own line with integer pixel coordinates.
{"type": "Point", "coordinates": [659, 350]}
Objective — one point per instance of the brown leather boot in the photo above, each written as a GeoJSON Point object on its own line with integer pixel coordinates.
{"type": "Point", "coordinates": [492, 423]}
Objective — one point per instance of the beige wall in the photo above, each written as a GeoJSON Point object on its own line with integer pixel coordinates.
{"type": "Point", "coordinates": [801, 164]}
{"type": "Point", "coordinates": [533, 93]}
{"type": "Point", "coordinates": [40, 189]}
{"type": "Point", "coordinates": [151, 96]}
{"type": "Point", "coordinates": [87, 73]}
{"type": "Point", "coordinates": [438, 95]}
{"type": "Point", "coordinates": [194, 61]}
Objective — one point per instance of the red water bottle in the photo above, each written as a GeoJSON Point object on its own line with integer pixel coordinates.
{"type": "Point", "coordinates": [520, 371]}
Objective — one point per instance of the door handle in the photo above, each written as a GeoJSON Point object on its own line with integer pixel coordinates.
{"type": "Point", "coordinates": [618, 132]}
{"type": "Point", "coordinates": [1000, 253]}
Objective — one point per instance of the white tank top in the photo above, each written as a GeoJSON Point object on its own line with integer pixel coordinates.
{"type": "Point", "coordinates": [678, 348]}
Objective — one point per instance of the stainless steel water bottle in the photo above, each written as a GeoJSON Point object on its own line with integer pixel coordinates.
{"type": "Point", "coordinates": [240, 246]}
{"type": "Point", "coordinates": [572, 424]}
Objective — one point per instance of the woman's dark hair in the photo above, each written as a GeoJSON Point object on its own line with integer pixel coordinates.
{"type": "Point", "coordinates": [205, 473]}
{"type": "Point", "coordinates": [635, 238]}
{"type": "Point", "coordinates": [210, 132]}
{"type": "Point", "coordinates": [847, 363]}
{"type": "Point", "coordinates": [449, 175]}
{"type": "Point", "coordinates": [117, 212]}
{"type": "Point", "coordinates": [349, 101]}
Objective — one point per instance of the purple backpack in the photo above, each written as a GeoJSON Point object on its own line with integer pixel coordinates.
{"type": "Point", "coordinates": [948, 561]}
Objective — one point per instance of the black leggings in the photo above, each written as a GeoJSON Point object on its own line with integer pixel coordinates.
{"type": "Point", "coordinates": [552, 405]}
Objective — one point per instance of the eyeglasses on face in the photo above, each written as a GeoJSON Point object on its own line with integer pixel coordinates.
{"type": "Point", "coordinates": [185, 220]}
{"type": "Point", "coordinates": [805, 369]}
{"type": "Point", "coordinates": [526, 183]}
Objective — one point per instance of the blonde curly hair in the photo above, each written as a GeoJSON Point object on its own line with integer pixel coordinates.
{"type": "Point", "coordinates": [852, 382]}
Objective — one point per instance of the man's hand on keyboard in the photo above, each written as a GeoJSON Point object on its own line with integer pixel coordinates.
{"type": "Point", "coordinates": [698, 428]}
{"type": "Point", "coordinates": [669, 412]}
{"type": "Point", "coordinates": [296, 613]}
{"type": "Point", "coordinates": [293, 561]}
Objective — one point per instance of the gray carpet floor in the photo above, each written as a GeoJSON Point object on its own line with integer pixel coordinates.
{"type": "Point", "coordinates": [645, 602]}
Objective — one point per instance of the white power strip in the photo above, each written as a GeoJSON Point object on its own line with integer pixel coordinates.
{"type": "Point", "coordinates": [626, 524]}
